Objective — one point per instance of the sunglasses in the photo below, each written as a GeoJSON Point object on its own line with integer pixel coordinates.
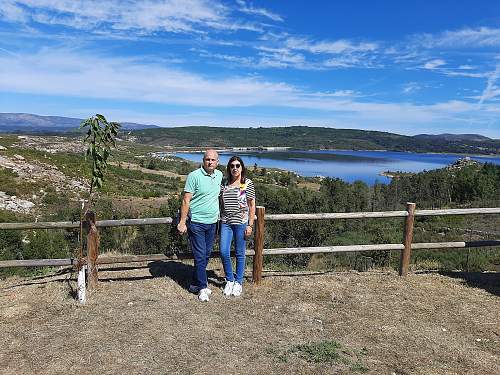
{"type": "Point", "coordinates": [235, 166]}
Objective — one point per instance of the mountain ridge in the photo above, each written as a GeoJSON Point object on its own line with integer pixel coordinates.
{"type": "Point", "coordinates": [300, 137]}
{"type": "Point", "coordinates": [27, 122]}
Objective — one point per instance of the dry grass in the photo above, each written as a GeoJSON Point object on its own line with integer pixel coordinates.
{"type": "Point", "coordinates": [137, 167]}
{"type": "Point", "coordinates": [143, 321]}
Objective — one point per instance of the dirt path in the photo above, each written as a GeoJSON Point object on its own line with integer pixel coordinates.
{"type": "Point", "coordinates": [143, 321]}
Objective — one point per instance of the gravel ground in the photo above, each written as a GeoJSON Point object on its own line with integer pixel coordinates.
{"type": "Point", "coordinates": [142, 320]}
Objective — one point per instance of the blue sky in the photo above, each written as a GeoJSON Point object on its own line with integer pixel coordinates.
{"type": "Point", "coordinates": [407, 67]}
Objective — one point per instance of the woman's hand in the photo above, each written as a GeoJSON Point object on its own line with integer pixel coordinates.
{"type": "Point", "coordinates": [248, 231]}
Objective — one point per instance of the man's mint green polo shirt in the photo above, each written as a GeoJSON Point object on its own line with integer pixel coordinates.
{"type": "Point", "coordinates": [204, 205]}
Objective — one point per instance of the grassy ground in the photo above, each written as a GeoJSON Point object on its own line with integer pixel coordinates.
{"type": "Point", "coordinates": [143, 321]}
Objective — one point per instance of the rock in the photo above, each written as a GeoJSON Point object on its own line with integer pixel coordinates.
{"type": "Point", "coordinates": [18, 157]}
{"type": "Point", "coordinates": [3, 148]}
{"type": "Point", "coordinates": [12, 203]}
{"type": "Point", "coordinates": [462, 163]}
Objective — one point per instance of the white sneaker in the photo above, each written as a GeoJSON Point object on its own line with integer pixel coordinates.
{"type": "Point", "coordinates": [204, 295]}
{"type": "Point", "coordinates": [228, 289]}
{"type": "Point", "coordinates": [237, 289]}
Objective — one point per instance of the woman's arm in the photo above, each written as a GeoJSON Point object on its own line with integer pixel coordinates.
{"type": "Point", "coordinates": [251, 217]}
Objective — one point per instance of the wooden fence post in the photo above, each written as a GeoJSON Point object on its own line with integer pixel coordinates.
{"type": "Point", "coordinates": [92, 249]}
{"type": "Point", "coordinates": [404, 262]}
{"type": "Point", "coordinates": [259, 245]}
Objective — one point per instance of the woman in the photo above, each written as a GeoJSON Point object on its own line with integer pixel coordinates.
{"type": "Point", "coordinates": [237, 218]}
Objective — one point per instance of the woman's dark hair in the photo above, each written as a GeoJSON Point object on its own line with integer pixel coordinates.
{"type": "Point", "coordinates": [243, 169]}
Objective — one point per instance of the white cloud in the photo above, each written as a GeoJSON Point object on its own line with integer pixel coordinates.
{"type": "Point", "coordinates": [248, 8]}
{"type": "Point", "coordinates": [342, 62]}
{"type": "Point", "coordinates": [491, 91]}
{"type": "Point", "coordinates": [91, 76]}
{"type": "Point", "coordinates": [87, 75]}
{"type": "Point", "coordinates": [238, 60]}
{"type": "Point", "coordinates": [411, 87]}
{"type": "Point", "coordinates": [433, 64]}
{"type": "Point", "coordinates": [283, 50]}
{"type": "Point", "coordinates": [9, 52]}
{"type": "Point", "coordinates": [454, 73]}
{"type": "Point", "coordinates": [329, 47]}
{"type": "Point", "coordinates": [11, 12]}
{"type": "Point", "coordinates": [283, 59]}
{"type": "Point", "coordinates": [464, 38]}
{"type": "Point", "coordinates": [141, 17]}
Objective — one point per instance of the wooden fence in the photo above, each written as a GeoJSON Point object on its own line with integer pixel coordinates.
{"type": "Point", "coordinates": [259, 251]}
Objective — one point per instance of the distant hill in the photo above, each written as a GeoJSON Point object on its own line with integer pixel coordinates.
{"type": "Point", "coordinates": [299, 137]}
{"type": "Point", "coordinates": [453, 137]}
{"type": "Point", "coordinates": [29, 123]}
{"type": "Point", "coordinates": [303, 137]}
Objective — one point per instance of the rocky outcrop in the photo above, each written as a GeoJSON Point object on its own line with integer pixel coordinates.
{"type": "Point", "coordinates": [13, 203]}
{"type": "Point", "coordinates": [37, 171]}
{"type": "Point", "coordinates": [50, 145]}
{"type": "Point", "coordinates": [462, 163]}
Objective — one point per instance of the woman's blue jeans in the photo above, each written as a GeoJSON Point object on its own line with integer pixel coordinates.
{"type": "Point", "coordinates": [227, 233]}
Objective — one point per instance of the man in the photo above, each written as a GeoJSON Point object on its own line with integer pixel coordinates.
{"type": "Point", "coordinates": [201, 204]}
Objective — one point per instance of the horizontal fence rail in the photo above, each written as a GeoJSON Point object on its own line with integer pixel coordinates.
{"type": "Point", "coordinates": [269, 217]}
{"type": "Point", "coordinates": [76, 224]}
{"type": "Point", "coordinates": [258, 252]}
{"type": "Point", "coordinates": [363, 215]}
{"type": "Point", "coordinates": [378, 247]}
{"type": "Point", "coordinates": [275, 251]}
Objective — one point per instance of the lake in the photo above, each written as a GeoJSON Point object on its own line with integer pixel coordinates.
{"type": "Point", "coordinates": [347, 165]}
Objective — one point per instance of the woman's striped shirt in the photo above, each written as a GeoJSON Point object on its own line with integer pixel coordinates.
{"type": "Point", "coordinates": [234, 201]}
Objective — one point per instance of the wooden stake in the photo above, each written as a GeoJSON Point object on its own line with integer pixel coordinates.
{"type": "Point", "coordinates": [259, 245]}
{"type": "Point", "coordinates": [92, 250]}
{"type": "Point", "coordinates": [408, 238]}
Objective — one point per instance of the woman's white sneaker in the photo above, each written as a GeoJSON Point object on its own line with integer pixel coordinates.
{"type": "Point", "coordinates": [204, 295]}
{"type": "Point", "coordinates": [237, 289]}
{"type": "Point", "coordinates": [228, 289]}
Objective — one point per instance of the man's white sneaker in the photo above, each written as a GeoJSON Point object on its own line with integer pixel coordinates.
{"type": "Point", "coordinates": [228, 289]}
{"type": "Point", "coordinates": [204, 295]}
{"type": "Point", "coordinates": [237, 289]}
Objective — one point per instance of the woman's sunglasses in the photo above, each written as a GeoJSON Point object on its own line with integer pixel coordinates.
{"type": "Point", "coordinates": [234, 166]}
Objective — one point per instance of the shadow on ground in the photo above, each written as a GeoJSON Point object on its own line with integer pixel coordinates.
{"type": "Point", "coordinates": [180, 272]}
{"type": "Point", "coordinates": [489, 281]}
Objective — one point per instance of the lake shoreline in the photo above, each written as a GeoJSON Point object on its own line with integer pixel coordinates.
{"type": "Point", "coordinates": [290, 149]}
{"type": "Point", "coordinates": [370, 166]}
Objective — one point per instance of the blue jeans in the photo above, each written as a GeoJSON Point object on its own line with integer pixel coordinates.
{"type": "Point", "coordinates": [227, 232]}
{"type": "Point", "coordinates": [201, 238]}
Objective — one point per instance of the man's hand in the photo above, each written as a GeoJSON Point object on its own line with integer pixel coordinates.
{"type": "Point", "coordinates": [182, 228]}
{"type": "Point", "coordinates": [186, 199]}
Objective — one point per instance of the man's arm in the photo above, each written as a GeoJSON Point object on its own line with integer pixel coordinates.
{"type": "Point", "coordinates": [186, 199]}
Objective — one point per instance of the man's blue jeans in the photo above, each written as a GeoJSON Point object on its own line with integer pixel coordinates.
{"type": "Point", "coordinates": [201, 238]}
{"type": "Point", "coordinates": [227, 232]}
